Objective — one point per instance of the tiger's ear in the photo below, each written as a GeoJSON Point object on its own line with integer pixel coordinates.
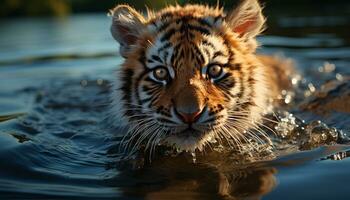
{"type": "Point", "coordinates": [127, 25]}
{"type": "Point", "coordinates": [247, 19]}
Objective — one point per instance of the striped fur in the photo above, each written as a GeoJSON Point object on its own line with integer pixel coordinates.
{"type": "Point", "coordinates": [185, 42]}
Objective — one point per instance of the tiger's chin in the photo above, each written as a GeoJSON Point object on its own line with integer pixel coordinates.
{"type": "Point", "coordinates": [190, 140]}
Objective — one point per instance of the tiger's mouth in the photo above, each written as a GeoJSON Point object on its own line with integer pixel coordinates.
{"type": "Point", "coordinates": [189, 138]}
{"type": "Point", "coordinates": [189, 132]}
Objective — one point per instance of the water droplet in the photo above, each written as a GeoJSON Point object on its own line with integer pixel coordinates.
{"type": "Point", "coordinates": [194, 158]}
{"type": "Point", "coordinates": [311, 87]}
{"type": "Point", "coordinates": [339, 77]}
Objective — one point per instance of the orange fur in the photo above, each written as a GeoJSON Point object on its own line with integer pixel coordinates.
{"type": "Point", "coordinates": [184, 41]}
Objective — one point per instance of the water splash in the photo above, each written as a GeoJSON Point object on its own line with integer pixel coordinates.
{"type": "Point", "coordinates": [305, 135]}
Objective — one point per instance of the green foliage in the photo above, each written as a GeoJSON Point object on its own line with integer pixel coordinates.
{"type": "Point", "coordinates": [34, 7]}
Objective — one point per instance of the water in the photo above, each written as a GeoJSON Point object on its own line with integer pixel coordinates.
{"type": "Point", "coordinates": [54, 77]}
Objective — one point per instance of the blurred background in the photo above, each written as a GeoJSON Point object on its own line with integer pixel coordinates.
{"type": "Point", "coordinates": [10, 8]}
{"type": "Point", "coordinates": [326, 9]}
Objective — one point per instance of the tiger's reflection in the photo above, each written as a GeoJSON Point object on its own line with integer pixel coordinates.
{"type": "Point", "coordinates": [214, 178]}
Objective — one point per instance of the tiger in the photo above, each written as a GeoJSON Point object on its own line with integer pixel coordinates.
{"type": "Point", "coordinates": [191, 76]}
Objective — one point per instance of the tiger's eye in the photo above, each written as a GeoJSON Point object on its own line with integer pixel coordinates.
{"type": "Point", "coordinates": [160, 73]}
{"type": "Point", "coordinates": [214, 71]}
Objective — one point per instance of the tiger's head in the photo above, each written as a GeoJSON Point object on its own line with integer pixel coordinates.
{"type": "Point", "coordinates": [190, 75]}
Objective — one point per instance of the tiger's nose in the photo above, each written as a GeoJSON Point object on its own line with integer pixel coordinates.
{"type": "Point", "coordinates": [190, 117]}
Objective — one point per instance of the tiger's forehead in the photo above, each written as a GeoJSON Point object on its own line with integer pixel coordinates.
{"type": "Point", "coordinates": [184, 23]}
{"type": "Point", "coordinates": [184, 40]}
{"type": "Point", "coordinates": [203, 47]}
{"type": "Point", "coordinates": [182, 52]}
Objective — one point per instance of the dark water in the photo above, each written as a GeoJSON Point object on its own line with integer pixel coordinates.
{"type": "Point", "coordinates": [54, 75]}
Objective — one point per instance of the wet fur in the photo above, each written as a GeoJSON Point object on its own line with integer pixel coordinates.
{"type": "Point", "coordinates": [186, 33]}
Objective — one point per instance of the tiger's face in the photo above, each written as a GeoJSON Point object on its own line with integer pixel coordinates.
{"type": "Point", "coordinates": [190, 76]}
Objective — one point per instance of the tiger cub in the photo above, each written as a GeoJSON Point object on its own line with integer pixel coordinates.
{"type": "Point", "coordinates": [191, 76]}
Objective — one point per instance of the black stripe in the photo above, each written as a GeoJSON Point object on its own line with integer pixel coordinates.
{"type": "Point", "coordinates": [206, 51]}
{"type": "Point", "coordinates": [142, 59]}
{"type": "Point", "coordinates": [173, 59]}
{"type": "Point", "coordinates": [226, 91]}
{"type": "Point", "coordinates": [143, 101]}
{"type": "Point", "coordinates": [241, 88]}
{"type": "Point", "coordinates": [137, 84]}
{"type": "Point", "coordinates": [217, 53]}
{"type": "Point", "coordinates": [147, 89]}
{"type": "Point", "coordinates": [154, 57]}
{"type": "Point", "coordinates": [168, 34]}
{"type": "Point", "coordinates": [225, 76]}
{"type": "Point", "coordinates": [228, 95]}
{"type": "Point", "coordinates": [204, 22]}
{"type": "Point", "coordinates": [198, 54]}
{"type": "Point", "coordinates": [229, 83]}
{"type": "Point", "coordinates": [237, 66]}
{"type": "Point", "coordinates": [230, 52]}
{"type": "Point", "coordinates": [199, 29]}
{"type": "Point", "coordinates": [165, 46]}
{"type": "Point", "coordinates": [251, 80]}
{"type": "Point", "coordinates": [165, 56]}
{"type": "Point", "coordinates": [188, 18]}
{"type": "Point", "coordinates": [127, 84]}
{"type": "Point", "coordinates": [154, 98]}
{"type": "Point", "coordinates": [154, 24]}
{"type": "Point", "coordinates": [190, 35]}
{"type": "Point", "coordinates": [207, 43]}
{"type": "Point", "coordinates": [164, 26]}
{"type": "Point", "coordinates": [226, 87]}
{"type": "Point", "coordinates": [126, 88]}
{"type": "Point", "coordinates": [233, 67]}
{"type": "Point", "coordinates": [166, 15]}
{"type": "Point", "coordinates": [245, 105]}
